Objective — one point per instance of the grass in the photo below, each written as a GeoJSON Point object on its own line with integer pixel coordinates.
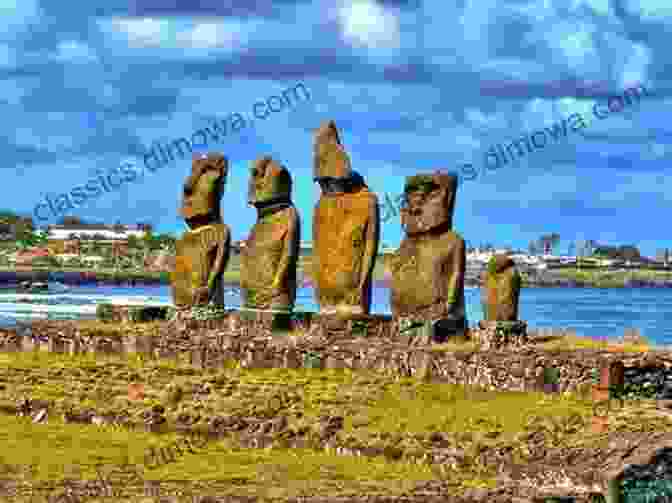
{"type": "Point", "coordinates": [44, 455]}
{"type": "Point", "coordinates": [574, 343]}
{"type": "Point", "coordinates": [399, 416]}
{"type": "Point", "coordinates": [612, 278]}
{"type": "Point", "coordinates": [470, 419]}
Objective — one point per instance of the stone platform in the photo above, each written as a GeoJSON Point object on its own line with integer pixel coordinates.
{"type": "Point", "coordinates": [253, 323]}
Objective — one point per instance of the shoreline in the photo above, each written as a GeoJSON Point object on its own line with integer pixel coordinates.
{"type": "Point", "coordinates": [555, 279]}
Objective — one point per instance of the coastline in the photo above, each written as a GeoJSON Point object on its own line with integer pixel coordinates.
{"type": "Point", "coordinates": [568, 278]}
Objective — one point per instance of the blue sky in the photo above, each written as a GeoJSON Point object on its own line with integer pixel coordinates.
{"type": "Point", "coordinates": [413, 87]}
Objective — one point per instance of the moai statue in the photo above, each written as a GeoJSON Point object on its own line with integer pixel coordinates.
{"type": "Point", "coordinates": [346, 228]}
{"type": "Point", "coordinates": [501, 289]}
{"type": "Point", "coordinates": [203, 251]}
{"type": "Point", "coordinates": [500, 293]}
{"type": "Point", "coordinates": [268, 261]}
{"type": "Point", "coordinates": [428, 269]}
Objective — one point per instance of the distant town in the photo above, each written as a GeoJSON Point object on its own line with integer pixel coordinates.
{"type": "Point", "coordinates": [73, 243]}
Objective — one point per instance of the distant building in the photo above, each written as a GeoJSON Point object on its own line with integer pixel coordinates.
{"type": "Point", "coordinates": [110, 232]}
{"type": "Point", "coordinates": [663, 256]}
{"type": "Point", "coordinates": [26, 257]}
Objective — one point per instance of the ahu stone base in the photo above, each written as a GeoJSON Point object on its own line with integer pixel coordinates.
{"type": "Point", "coordinates": [501, 334]}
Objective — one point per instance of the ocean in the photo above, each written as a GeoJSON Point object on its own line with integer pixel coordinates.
{"type": "Point", "coordinates": [591, 312]}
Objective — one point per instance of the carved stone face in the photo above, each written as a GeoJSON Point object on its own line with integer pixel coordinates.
{"type": "Point", "coordinates": [204, 188]}
{"type": "Point", "coordinates": [330, 158]}
{"type": "Point", "coordinates": [269, 182]}
{"type": "Point", "coordinates": [429, 201]}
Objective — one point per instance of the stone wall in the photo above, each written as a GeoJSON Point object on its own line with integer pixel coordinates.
{"type": "Point", "coordinates": [212, 343]}
{"type": "Point", "coordinates": [264, 323]}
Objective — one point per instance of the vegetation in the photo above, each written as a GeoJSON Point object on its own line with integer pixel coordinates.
{"type": "Point", "coordinates": [601, 278]}
{"type": "Point", "coordinates": [400, 420]}
{"type": "Point", "coordinates": [573, 343]}
{"type": "Point", "coordinates": [470, 419]}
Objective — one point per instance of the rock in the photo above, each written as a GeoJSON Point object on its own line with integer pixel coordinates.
{"type": "Point", "coordinates": [346, 228]}
{"type": "Point", "coordinates": [202, 253]}
{"type": "Point", "coordinates": [476, 494]}
{"type": "Point", "coordinates": [428, 269]}
{"type": "Point", "coordinates": [40, 416]}
{"type": "Point", "coordinates": [269, 258]}
{"type": "Point", "coordinates": [329, 426]}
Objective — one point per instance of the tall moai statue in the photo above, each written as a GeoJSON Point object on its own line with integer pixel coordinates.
{"type": "Point", "coordinates": [202, 253]}
{"type": "Point", "coordinates": [346, 229]}
{"type": "Point", "coordinates": [428, 269]}
{"type": "Point", "coordinates": [500, 293]}
{"type": "Point", "coordinates": [269, 258]}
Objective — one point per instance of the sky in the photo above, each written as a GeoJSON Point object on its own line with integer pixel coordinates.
{"type": "Point", "coordinates": [87, 87]}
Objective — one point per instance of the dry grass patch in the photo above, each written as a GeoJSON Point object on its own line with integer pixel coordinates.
{"type": "Point", "coordinates": [571, 343]}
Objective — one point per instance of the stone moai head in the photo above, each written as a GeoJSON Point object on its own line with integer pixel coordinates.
{"type": "Point", "coordinates": [203, 190]}
{"type": "Point", "coordinates": [331, 163]}
{"type": "Point", "coordinates": [429, 201]}
{"type": "Point", "coordinates": [502, 289]}
{"type": "Point", "coordinates": [269, 183]}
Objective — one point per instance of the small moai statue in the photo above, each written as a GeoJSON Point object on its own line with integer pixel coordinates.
{"type": "Point", "coordinates": [428, 269]}
{"type": "Point", "coordinates": [346, 229]}
{"type": "Point", "coordinates": [202, 253]}
{"type": "Point", "coordinates": [501, 289]}
{"type": "Point", "coordinates": [269, 259]}
{"type": "Point", "coordinates": [500, 293]}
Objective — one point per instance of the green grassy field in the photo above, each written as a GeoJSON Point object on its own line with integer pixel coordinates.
{"type": "Point", "coordinates": [45, 454]}
{"type": "Point", "coordinates": [403, 419]}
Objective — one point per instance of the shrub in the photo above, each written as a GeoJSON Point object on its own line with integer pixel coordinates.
{"type": "Point", "coordinates": [104, 312]}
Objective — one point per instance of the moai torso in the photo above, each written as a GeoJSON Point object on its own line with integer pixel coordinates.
{"type": "Point", "coordinates": [346, 228]}
{"type": "Point", "coordinates": [428, 275]}
{"type": "Point", "coordinates": [269, 258]}
{"type": "Point", "coordinates": [501, 290]}
{"type": "Point", "coordinates": [428, 269]}
{"type": "Point", "coordinates": [202, 252]}
{"type": "Point", "coordinates": [343, 224]}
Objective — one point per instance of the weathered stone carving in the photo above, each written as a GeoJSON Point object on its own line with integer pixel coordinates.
{"type": "Point", "coordinates": [203, 251]}
{"type": "Point", "coordinates": [501, 289]}
{"type": "Point", "coordinates": [499, 296]}
{"type": "Point", "coordinates": [346, 228]}
{"type": "Point", "coordinates": [269, 258]}
{"type": "Point", "coordinates": [428, 269]}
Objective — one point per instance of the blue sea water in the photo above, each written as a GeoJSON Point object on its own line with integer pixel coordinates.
{"type": "Point", "coordinates": [592, 312]}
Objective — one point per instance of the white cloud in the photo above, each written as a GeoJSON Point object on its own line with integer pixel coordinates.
{"type": "Point", "coordinates": [143, 32]}
{"type": "Point", "coordinates": [179, 39]}
{"type": "Point", "coordinates": [366, 23]}
{"type": "Point", "coordinates": [210, 35]}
